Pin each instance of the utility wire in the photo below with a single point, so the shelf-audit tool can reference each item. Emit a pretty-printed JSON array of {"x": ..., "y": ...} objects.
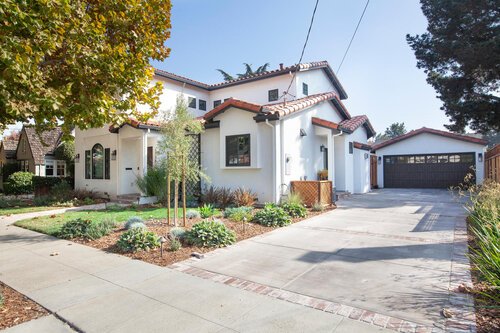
[
  {"x": 303, "y": 49},
  {"x": 352, "y": 38}
]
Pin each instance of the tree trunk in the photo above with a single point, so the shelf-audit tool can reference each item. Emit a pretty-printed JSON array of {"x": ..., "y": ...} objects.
[
  {"x": 176, "y": 201},
  {"x": 183, "y": 191}
]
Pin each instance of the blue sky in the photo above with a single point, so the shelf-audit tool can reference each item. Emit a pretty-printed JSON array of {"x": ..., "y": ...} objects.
[{"x": 379, "y": 73}]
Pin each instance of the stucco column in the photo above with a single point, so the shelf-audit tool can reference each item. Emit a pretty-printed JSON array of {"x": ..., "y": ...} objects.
[
  {"x": 144, "y": 145},
  {"x": 331, "y": 162}
]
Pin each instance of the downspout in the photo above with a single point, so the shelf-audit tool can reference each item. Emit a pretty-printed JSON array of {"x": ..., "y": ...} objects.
[{"x": 273, "y": 157}]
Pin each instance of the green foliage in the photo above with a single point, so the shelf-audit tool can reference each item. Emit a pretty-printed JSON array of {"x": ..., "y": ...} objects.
[
  {"x": 19, "y": 183},
  {"x": 239, "y": 214},
  {"x": 1, "y": 299},
  {"x": 210, "y": 234},
  {"x": 248, "y": 72},
  {"x": 175, "y": 245},
  {"x": 244, "y": 197},
  {"x": 61, "y": 192},
  {"x": 294, "y": 209},
  {"x": 86, "y": 229},
  {"x": 133, "y": 220},
  {"x": 8, "y": 169},
  {"x": 294, "y": 198},
  {"x": 193, "y": 214},
  {"x": 178, "y": 233},
  {"x": 7, "y": 203},
  {"x": 460, "y": 55},
  {"x": 211, "y": 195},
  {"x": 43, "y": 200},
  {"x": 115, "y": 207},
  {"x": 317, "y": 207},
  {"x": 138, "y": 239},
  {"x": 394, "y": 130},
  {"x": 207, "y": 210},
  {"x": 154, "y": 182},
  {"x": 272, "y": 216},
  {"x": 85, "y": 63},
  {"x": 65, "y": 151},
  {"x": 226, "y": 197}
]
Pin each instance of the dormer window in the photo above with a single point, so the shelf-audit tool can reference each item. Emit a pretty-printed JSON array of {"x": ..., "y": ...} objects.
[
  {"x": 192, "y": 102},
  {"x": 272, "y": 95},
  {"x": 305, "y": 89}
]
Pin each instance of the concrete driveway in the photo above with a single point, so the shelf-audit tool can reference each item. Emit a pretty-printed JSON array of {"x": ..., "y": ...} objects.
[{"x": 389, "y": 251}]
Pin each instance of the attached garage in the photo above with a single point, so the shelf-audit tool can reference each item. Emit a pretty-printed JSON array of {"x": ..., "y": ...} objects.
[{"x": 429, "y": 158}]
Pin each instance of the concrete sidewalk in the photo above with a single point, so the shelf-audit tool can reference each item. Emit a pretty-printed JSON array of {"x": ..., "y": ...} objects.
[{"x": 94, "y": 291}]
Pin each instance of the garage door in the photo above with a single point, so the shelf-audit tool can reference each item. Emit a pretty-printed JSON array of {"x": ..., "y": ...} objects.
[{"x": 427, "y": 171}]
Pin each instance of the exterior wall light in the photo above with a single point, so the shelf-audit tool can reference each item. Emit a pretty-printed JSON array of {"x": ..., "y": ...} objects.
[
  {"x": 77, "y": 158},
  {"x": 379, "y": 159},
  {"x": 366, "y": 156},
  {"x": 113, "y": 155},
  {"x": 303, "y": 132},
  {"x": 322, "y": 148},
  {"x": 480, "y": 157}
]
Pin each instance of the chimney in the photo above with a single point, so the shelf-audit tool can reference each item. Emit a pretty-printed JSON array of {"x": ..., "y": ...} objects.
[{"x": 281, "y": 67}]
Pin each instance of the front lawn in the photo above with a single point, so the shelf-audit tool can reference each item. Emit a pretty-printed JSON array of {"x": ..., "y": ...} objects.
[
  {"x": 25, "y": 209},
  {"x": 51, "y": 225}
]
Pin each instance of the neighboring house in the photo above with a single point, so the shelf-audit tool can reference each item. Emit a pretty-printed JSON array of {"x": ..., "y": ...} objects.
[
  {"x": 255, "y": 136},
  {"x": 7, "y": 154},
  {"x": 35, "y": 152},
  {"x": 429, "y": 158}
]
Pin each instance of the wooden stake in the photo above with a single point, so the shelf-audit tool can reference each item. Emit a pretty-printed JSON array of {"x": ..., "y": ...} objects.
[
  {"x": 176, "y": 201},
  {"x": 168, "y": 195},
  {"x": 183, "y": 191}
]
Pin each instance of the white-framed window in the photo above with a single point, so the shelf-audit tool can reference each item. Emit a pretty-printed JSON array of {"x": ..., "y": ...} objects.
[
  {"x": 61, "y": 169},
  {"x": 49, "y": 168}
]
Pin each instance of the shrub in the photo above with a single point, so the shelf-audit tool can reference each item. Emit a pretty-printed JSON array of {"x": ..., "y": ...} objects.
[
  {"x": 175, "y": 245},
  {"x": 154, "y": 182},
  {"x": 132, "y": 220},
  {"x": 211, "y": 196},
  {"x": 210, "y": 234},
  {"x": 88, "y": 201},
  {"x": 272, "y": 216},
  {"x": 115, "y": 207},
  {"x": 137, "y": 225},
  {"x": 207, "y": 210},
  {"x": 136, "y": 239},
  {"x": 294, "y": 198},
  {"x": 43, "y": 200},
  {"x": 61, "y": 192},
  {"x": 294, "y": 209},
  {"x": 238, "y": 214},
  {"x": 87, "y": 229},
  {"x": 193, "y": 214},
  {"x": 19, "y": 183},
  {"x": 243, "y": 197},
  {"x": 178, "y": 233},
  {"x": 82, "y": 194},
  {"x": 317, "y": 207},
  {"x": 8, "y": 169},
  {"x": 226, "y": 197}
]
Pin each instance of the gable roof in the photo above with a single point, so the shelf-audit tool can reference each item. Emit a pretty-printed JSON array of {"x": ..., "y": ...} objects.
[
  {"x": 355, "y": 122},
  {"x": 133, "y": 122},
  {"x": 41, "y": 144},
  {"x": 325, "y": 123},
  {"x": 9, "y": 146},
  {"x": 276, "y": 72},
  {"x": 413, "y": 133}
]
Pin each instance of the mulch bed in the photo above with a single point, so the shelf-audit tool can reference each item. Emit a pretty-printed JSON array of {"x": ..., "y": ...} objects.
[
  {"x": 17, "y": 308},
  {"x": 243, "y": 231},
  {"x": 487, "y": 311}
]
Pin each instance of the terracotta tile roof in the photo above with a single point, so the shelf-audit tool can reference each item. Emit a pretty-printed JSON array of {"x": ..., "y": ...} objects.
[
  {"x": 283, "y": 109},
  {"x": 324, "y": 123},
  {"x": 150, "y": 123},
  {"x": 44, "y": 143},
  {"x": 232, "y": 102},
  {"x": 357, "y": 121},
  {"x": 361, "y": 145},
  {"x": 282, "y": 70},
  {"x": 430, "y": 131}
]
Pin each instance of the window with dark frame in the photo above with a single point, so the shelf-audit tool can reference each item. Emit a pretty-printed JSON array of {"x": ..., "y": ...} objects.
[
  {"x": 351, "y": 148},
  {"x": 202, "y": 105},
  {"x": 192, "y": 102},
  {"x": 88, "y": 164},
  {"x": 272, "y": 95},
  {"x": 238, "y": 150},
  {"x": 217, "y": 103},
  {"x": 305, "y": 89},
  {"x": 61, "y": 168}
]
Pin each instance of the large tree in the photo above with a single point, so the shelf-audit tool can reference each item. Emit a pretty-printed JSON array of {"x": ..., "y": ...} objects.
[
  {"x": 81, "y": 62},
  {"x": 249, "y": 71},
  {"x": 394, "y": 130},
  {"x": 460, "y": 52}
]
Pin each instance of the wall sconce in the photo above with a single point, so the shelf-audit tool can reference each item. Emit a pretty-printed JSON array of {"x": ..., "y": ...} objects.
[
  {"x": 480, "y": 157},
  {"x": 366, "y": 156},
  {"x": 379, "y": 159},
  {"x": 113, "y": 155},
  {"x": 322, "y": 148},
  {"x": 77, "y": 158},
  {"x": 303, "y": 132}
]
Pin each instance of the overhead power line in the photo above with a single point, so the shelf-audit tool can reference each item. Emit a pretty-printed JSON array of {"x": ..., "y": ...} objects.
[
  {"x": 353, "y": 35},
  {"x": 303, "y": 48}
]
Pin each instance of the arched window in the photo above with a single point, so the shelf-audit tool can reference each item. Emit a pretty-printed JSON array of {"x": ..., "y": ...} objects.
[{"x": 97, "y": 161}]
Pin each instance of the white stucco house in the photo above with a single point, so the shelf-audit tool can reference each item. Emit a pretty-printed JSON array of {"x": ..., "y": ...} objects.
[
  {"x": 429, "y": 158},
  {"x": 256, "y": 137}
]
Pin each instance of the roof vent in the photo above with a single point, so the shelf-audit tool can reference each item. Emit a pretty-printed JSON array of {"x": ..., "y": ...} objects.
[{"x": 281, "y": 66}]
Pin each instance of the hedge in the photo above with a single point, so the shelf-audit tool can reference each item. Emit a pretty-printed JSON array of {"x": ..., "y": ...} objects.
[{"x": 43, "y": 185}]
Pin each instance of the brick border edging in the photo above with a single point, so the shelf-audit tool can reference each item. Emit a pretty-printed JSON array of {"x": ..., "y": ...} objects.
[
  {"x": 361, "y": 315},
  {"x": 461, "y": 305}
]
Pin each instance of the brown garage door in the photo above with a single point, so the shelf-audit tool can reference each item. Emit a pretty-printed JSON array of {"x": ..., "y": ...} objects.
[{"x": 427, "y": 171}]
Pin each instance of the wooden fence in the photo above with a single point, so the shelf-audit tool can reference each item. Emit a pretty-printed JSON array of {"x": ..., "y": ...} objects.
[
  {"x": 313, "y": 191},
  {"x": 492, "y": 163}
]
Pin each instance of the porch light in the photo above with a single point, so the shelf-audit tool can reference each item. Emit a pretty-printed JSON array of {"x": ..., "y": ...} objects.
[
  {"x": 113, "y": 155},
  {"x": 379, "y": 159},
  {"x": 303, "y": 132},
  {"x": 366, "y": 156},
  {"x": 322, "y": 148},
  {"x": 161, "y": 240},
  {"x": 480, "y": 157},
  {"x": 77, "y": 158}
]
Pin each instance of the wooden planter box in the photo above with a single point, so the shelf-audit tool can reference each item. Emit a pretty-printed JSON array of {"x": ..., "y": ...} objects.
[{"x": 313, "y": 191}]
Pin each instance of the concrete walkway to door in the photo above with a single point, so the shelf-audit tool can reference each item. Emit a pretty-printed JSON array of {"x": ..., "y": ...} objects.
[{"x": 394, "y": 253}]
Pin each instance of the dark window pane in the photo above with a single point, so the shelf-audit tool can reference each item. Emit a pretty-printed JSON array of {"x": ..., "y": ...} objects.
[
  {"x": 217, "y": 103},
  {"x": 238, "y": 150},
  {"x": 305, "y": 89},
  {"x": 49, "y": 169},
  {"x": 202, "y": 105},
  {"x": 419, "y": 159},
  {"x": 431, "y": 159},
  {"x": 443, "y": 159},
  {"x": 97, "y": 162},
  {"x": 273, "y": 95},
  {"x": 192, "y": 102},
  {"x": 466, "y": 158},
  {"x": 107, "y": 167},
  {"x": 88, "y": 164},
  {"x": 351, "y": 148},
  {"x": 61, "y": 168}
]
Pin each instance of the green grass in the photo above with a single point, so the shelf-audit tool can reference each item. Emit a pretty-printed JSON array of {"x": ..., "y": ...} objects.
[
  {"x": 25, "y": 209},
  {"x": 52, "y": 225}
]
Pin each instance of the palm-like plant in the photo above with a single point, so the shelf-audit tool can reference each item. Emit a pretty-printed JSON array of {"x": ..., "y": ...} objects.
[{"x": 248, "y": 72}]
